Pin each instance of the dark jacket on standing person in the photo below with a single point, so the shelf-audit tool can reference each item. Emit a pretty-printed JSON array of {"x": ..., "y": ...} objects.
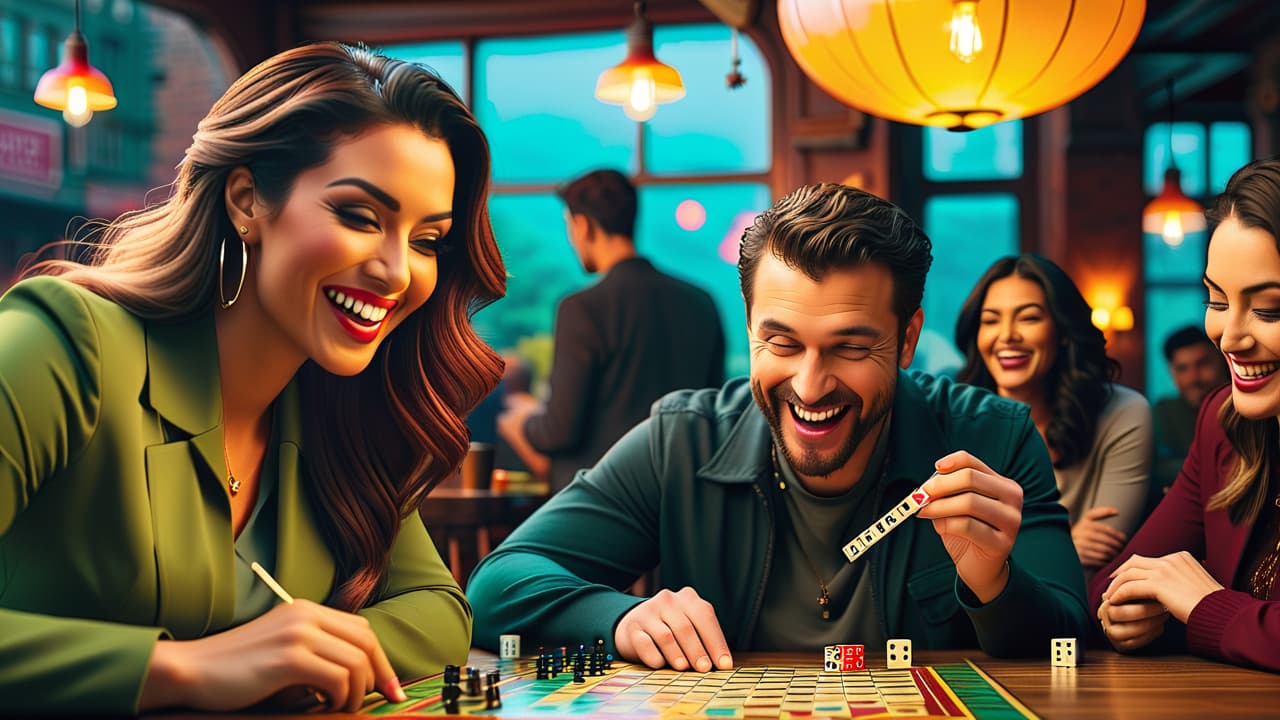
[{"x": 619, "y": 346}]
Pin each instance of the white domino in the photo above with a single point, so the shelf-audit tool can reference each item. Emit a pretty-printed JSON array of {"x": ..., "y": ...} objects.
[
  {"x": 909, "y": 506},
  {"x": 1064, "y": 652},
  {"x": 898, "y": 654}
]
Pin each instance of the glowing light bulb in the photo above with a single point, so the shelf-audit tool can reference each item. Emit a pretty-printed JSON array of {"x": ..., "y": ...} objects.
[
  {"x": 1172, "y": 229},
  {"x": 77, "y": 113},
  {"x": 966, "y": 36},
  {"x": 642, "y": 102}
]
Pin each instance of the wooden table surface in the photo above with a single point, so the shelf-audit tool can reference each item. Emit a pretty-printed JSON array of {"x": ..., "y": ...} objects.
[{"x": 1107, "y": 685}]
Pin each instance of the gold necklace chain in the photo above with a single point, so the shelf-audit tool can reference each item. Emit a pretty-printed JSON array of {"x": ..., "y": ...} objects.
[
  {"x": 824, "y": 598},
  {"x": 1264, "y": 576},
  {"x": 233, "y": 485}
]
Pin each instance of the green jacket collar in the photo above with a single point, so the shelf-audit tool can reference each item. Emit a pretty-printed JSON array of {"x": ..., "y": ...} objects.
[
  {"x": 184, "y": 387},
  {"x": 744, "y": 456}
]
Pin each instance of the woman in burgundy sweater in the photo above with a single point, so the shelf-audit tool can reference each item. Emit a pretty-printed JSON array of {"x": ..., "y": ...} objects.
[{"x": 1208, "y": 555}]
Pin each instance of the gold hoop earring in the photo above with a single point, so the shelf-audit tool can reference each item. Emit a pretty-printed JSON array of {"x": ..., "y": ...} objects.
[{"x": 244, "y": 264}]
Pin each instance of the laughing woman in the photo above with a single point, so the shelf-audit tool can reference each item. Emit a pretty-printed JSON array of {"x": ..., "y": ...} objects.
[
  {"x": 270, "y": 366},
  {"x": 1208, "y": 556},
  {"x": 1027, "y": 333}
]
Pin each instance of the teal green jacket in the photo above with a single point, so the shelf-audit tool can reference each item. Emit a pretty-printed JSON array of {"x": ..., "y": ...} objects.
[
  {"x": 690, "y": 488},
  {"x": 112, "y": 536}
]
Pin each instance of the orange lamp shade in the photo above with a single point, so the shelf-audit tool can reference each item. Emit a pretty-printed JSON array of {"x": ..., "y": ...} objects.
[
  {"x": 1171, "y": 214},
  {"x": 915, "y": 62},
  {"x": 73, "y": 76},
  {"x": 641, "y": 82}
]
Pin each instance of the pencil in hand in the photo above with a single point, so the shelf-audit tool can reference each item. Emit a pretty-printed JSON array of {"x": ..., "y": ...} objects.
[{"x": 280, "y": 592}]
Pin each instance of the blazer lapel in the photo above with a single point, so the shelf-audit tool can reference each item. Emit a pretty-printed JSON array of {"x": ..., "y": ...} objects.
[
  {"x": 190, "y": 512},
  {"x": 303, "y": 563}
]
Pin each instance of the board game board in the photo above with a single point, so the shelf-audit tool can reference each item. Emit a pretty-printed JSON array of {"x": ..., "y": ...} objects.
[{"x": 939, "y": 691}]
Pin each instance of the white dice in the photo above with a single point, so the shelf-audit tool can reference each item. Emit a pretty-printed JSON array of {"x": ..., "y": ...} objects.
[
  {"x": 898, "y": 654},
  {"x": 508, "y": 647},
  {"x": 1064, "y": 652}
]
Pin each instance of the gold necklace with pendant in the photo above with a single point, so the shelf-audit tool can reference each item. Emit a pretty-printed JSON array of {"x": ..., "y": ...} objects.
[
  {"x": 824, "y": 598},
  {"x": 233, "y": 485}
]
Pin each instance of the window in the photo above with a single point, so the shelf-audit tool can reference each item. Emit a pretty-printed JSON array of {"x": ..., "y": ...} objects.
[
  {"x": 964, "y": 188},
  {"x": 39, "y": 54},
  {"x": 10, "y": 51},
  {"x": 447, "y": 58},
  {"x": 542, "y": 134},
  {"x": 1207, "y": 155}
]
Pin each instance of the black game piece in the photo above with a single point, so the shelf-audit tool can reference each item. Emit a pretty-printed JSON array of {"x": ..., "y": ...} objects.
[
  {"x": 543, "y": 666},
  {"x": 473, "y": 682},
  {"x": 451, "y": 674},
  {"x": 450, "y": 694},
  {"x": 579, "y": 666},
  {"x": 577, "y": 674},
  {"x": 492, "y": 699}
]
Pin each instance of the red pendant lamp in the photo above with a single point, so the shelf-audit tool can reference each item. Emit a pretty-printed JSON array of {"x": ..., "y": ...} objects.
[
  {"x": 640, "y": 82},
  {"x": 1172, "y": 214},
  {"x": 75, "y": 87}
]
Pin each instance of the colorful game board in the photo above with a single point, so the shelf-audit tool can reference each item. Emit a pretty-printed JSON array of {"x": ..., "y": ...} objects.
[{"x": 939, "y": 691}]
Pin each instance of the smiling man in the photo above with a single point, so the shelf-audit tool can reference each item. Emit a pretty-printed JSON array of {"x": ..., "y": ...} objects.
[{"x": 746, "y": 494}]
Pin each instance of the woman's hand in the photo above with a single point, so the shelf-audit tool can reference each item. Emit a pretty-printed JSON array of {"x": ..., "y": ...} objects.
[
  {"x": 1132, "y": 625},
  {"x": 1097, "y": 543},
  {"x": 299, "y": 645},
  {"x": 1178, "y": 582}
]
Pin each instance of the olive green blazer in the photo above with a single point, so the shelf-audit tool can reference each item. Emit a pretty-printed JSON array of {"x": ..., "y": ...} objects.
[{"x": 115, "y": 527}]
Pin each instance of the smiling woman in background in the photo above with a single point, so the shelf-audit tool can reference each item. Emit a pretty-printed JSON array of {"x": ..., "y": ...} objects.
[
  {"x": 1027, "y": 334},
  {"x": 270, "y": 366},
  {"x": 1209, "y": 556}
]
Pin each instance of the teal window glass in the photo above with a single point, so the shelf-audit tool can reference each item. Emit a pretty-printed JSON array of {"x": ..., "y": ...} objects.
[
  {"x": 38, "y": 55},
  {"x": 1188, "y": 153},
  {"x": 691, "y": 136},
  {"x": 1230, "y": 148},
  {"x": 991, "y": 153},
  {"x": 448, "y": 58},
  {"x": 535, "y": 100},
  {"x": 969, "y": 233},
  {"x": 10, "y": 49},
  {"x": 541, "y": 269},
  {"x": 705, "y": 254},
  {"x": 1168, "y": 308},
  {"x": 1184, "y": 263}
]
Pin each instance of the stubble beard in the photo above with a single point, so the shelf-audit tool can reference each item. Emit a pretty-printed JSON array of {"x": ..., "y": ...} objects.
[{"x": 809, "y": 462}]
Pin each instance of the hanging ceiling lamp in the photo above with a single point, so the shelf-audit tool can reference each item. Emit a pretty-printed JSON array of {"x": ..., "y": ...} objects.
[
  {"x": 75, "y": 87},
  {"x": 640, "y": 82},
  {"x": 1172, "y": 214},
  {"x": 958, "y": 64}
]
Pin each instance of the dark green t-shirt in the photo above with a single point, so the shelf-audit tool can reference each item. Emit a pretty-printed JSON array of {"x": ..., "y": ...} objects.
[{"x": 790, "y": 617}]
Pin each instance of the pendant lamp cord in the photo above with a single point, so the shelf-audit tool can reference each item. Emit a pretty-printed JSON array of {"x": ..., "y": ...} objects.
[
  {"x": 1173, "y": 165},
  {"x": 77, "y": 15}
]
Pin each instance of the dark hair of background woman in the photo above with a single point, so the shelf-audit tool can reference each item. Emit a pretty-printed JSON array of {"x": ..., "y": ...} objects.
[{"x": 1078, "y": 382}]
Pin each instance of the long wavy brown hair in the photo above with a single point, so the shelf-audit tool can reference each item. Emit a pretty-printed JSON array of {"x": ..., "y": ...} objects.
[
  {"x": 1252, "y": 197},
  {"x": 1079, "y": 383},
  {"x": 376, "y": 442}
]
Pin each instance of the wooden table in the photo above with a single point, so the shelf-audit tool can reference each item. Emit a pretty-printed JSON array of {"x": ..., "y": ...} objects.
[
  {"x": 1107, "y": 685},
  {"x": 466, "y": 523}
]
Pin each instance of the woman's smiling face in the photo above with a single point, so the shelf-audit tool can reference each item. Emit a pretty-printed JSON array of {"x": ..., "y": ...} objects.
[
  {"x": 1242, "y": 316},
  {"x": 351, "y": 252},
  {"x": 1017, "y": 337}
]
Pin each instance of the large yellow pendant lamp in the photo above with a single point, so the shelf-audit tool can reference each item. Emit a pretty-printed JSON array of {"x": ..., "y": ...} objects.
[
  {"x": 958, "y": 64},
  {"x": 1172, "y": 214},
  {"x": 75, "y": 87},
  {"x": 640, "y": 83}
]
